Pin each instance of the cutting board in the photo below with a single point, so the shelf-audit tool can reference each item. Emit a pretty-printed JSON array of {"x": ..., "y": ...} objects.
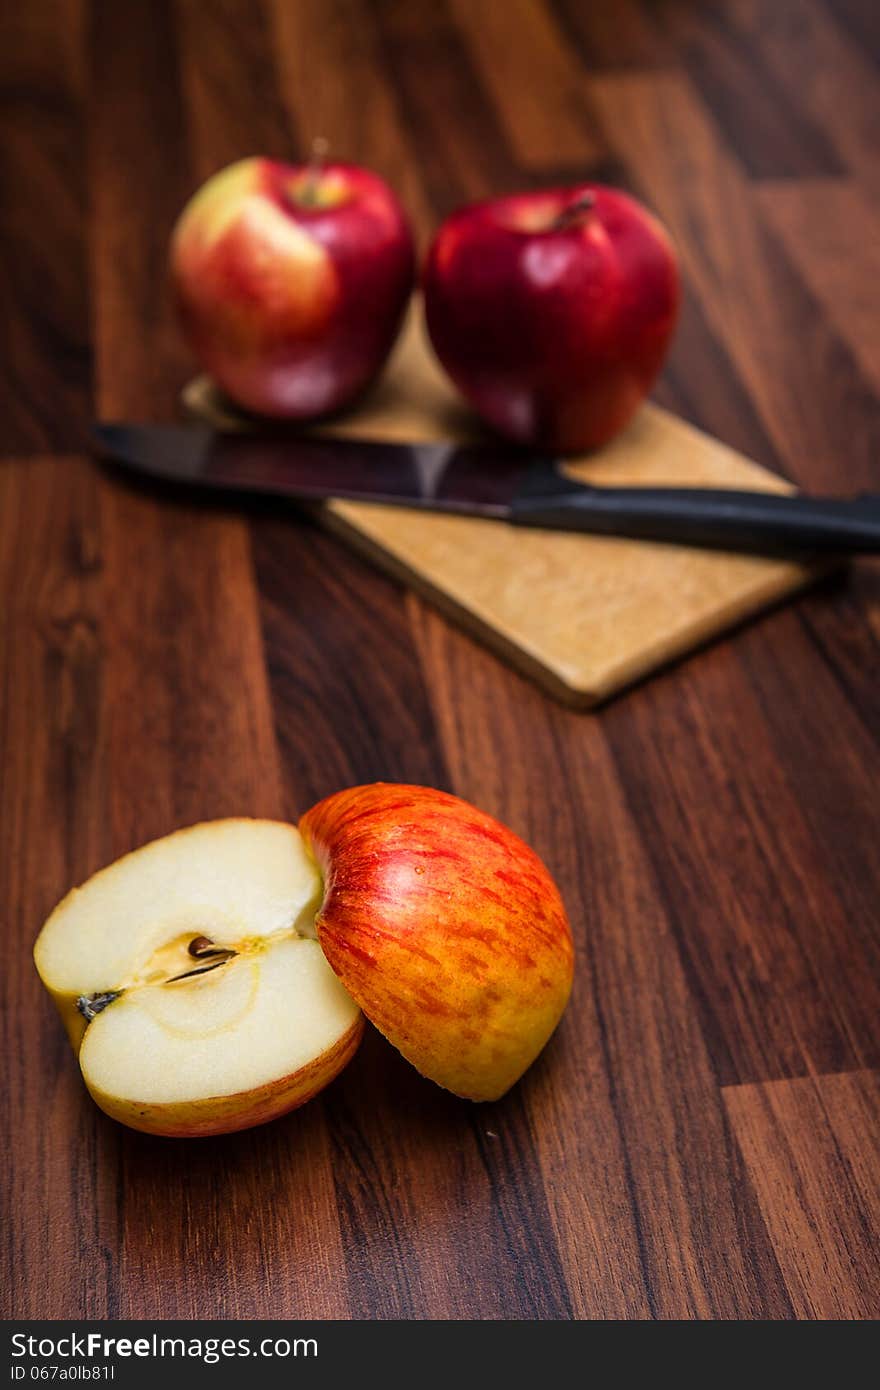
[{"x": 584, "y": 616}]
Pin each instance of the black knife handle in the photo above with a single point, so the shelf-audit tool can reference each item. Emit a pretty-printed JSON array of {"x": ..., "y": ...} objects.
[{"x": 764, "y": 522}]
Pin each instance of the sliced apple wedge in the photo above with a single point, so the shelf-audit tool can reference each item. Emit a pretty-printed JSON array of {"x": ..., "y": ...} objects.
[{"x": 191, "y": 984}]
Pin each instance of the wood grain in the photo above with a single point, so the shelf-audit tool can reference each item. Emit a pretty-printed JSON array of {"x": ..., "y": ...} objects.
[
  {"x": 223, "y": 121},
  {"x": 759, "y": 918},
  {"x": 701, "y": 1137},
  {"x": 609, "y": 35},
  {"x": 520, "y": 55},
  {"x": 810, "y": 1147},
  {"x": 814, "y": 220},
  {"x": 56, "y": 1197},
  {"x": 45, "y": 375},
  {"x": 751, "y": 99},
  {"x": 826, "y": 72}
]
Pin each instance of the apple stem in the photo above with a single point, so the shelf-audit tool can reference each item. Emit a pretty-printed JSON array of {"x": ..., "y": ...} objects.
[
  {"x": 308, "y": 194},
  {"x": 574, "y": 213}
]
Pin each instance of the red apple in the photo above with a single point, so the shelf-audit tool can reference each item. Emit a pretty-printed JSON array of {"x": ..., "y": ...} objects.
[
  {"x": 291, "y": 282},
  {"x": 214, "y": 979},
  {"x": 552, "y": 311},
  {"x": 445, "y": 928}
]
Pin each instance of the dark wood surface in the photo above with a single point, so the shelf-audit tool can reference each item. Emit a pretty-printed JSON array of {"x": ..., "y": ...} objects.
[{"x": 701, "y": 1137}]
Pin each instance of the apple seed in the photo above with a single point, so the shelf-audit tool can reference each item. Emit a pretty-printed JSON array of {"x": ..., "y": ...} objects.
[
  {"x": 202, "y": 946},
  {"x": 222, "y": 956}
]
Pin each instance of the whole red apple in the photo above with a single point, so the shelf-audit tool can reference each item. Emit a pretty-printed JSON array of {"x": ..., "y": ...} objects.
[
  {"x": 291, "y": 281},
  {"x": 552, "y": 311},
  {"x": 445, "y": 928}
]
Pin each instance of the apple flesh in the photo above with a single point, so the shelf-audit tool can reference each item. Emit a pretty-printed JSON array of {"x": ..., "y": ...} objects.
[
  {"x": 191, "y": 985},
  {"x": 291, "y": 282},
  {"x": 552, "y": 311},
  {"x": 445, "y": 927}
]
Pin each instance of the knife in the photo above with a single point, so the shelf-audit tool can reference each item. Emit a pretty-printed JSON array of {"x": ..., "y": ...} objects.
[{"x": 489, "y": 480}]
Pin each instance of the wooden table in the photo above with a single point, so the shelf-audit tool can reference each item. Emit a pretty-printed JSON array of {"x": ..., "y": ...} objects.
[{"x": 701, "y": 1137}]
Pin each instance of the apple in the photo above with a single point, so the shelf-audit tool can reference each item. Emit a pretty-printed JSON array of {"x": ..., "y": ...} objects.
[
  {"x": 214, "y": 979},
  {"x": 191, "y": 985},
  {"x": 445, "y": 927},
  {"x": 291, "y": 281},
  {"x": 552, "y": 311}
]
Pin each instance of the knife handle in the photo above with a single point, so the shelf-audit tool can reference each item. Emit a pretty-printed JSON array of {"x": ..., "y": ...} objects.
[{"x": 764, "y": 522}]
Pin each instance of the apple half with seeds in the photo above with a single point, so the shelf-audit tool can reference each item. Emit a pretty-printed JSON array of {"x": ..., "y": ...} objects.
[
  {"x": 191, "y": 985},
  {"x": 214, "y": 979}
]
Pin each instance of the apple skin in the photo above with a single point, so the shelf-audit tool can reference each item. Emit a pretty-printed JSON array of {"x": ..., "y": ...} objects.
[
  {"x": 553, "y": 322},
  {"x": 216, "y": 1115},
  {"x": 291, "y": 282},
  {"x": 445, "y": 928}
]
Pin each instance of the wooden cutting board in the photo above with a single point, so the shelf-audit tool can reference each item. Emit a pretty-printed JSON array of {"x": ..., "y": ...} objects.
[{"x": 583, "y": 615}]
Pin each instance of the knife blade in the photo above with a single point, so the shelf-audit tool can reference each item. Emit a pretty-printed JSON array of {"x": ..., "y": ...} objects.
[
  {"x": 475, "y": 479},
  {"x": 488, "y": 480}
]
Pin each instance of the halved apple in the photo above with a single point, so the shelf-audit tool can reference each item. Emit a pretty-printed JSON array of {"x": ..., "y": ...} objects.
[
  {"x": 191, "y": 984},
  {"x": 445, "y": 927},
  {"x": 214, "y": 979}
]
